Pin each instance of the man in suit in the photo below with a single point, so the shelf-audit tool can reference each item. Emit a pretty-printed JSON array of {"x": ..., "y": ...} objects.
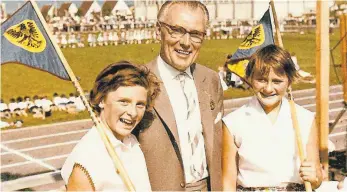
[{"x": 183, "y": 145}]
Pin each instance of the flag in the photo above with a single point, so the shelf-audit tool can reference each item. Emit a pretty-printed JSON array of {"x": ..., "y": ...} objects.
[
  {"x": 260, "y": 36},
  {"x": 239, "y": 67},
  {"x": 24, "y": 40}
]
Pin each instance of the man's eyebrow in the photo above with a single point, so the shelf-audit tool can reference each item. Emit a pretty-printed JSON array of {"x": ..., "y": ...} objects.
[{"x": 194, "y": 30}]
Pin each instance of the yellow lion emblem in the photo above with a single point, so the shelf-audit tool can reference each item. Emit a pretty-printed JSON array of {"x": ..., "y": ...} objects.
[
  {"x": 255, "y": 38},
  {"x": 26, "y": 35}
]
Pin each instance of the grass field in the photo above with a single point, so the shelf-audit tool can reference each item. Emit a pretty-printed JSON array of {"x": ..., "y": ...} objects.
[{"x": 19, "y": 80}]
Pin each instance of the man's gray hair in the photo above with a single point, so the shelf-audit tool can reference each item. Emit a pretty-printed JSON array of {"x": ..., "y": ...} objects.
[{"x": 191, "y": 4}]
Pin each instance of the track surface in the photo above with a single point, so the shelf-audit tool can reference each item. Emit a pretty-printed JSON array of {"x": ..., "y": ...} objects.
[{"x": 41, "y": 149}]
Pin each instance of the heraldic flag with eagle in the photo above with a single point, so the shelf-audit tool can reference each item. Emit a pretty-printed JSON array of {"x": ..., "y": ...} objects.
[
  {"x": 25, "y": 41},
  {"x": 260, "y": 36}
]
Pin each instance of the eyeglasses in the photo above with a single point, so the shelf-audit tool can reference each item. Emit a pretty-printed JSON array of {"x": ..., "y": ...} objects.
[{"x": 178, "y": 32}]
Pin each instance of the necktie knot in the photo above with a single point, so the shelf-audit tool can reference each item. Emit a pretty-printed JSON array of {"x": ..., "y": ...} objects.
[{"x": 182, "y": 77}]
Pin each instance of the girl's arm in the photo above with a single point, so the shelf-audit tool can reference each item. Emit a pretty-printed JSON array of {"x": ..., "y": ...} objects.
[
  {"x": 310, "y": 169},
  {"x": 229, "y": 168},
  {"x": 80, "y": 180}
]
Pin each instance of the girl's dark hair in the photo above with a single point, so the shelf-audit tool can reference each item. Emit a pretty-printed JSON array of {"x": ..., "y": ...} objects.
[
  {"x": 125, "y": 74},
  {"x": 272, "y": 57}
]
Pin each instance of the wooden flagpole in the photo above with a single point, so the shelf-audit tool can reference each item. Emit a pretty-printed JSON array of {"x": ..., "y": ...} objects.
[
  {"x": 322, "y": 86},
  {"x": 343, "y": 31},
  {"x": 98, "y": 123},
  {"x": 295, "y": 122},
  {"x": 278, "y": 32}
]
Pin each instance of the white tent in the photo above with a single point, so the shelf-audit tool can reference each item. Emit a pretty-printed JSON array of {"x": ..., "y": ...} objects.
[{"x": 122, "y": 8}]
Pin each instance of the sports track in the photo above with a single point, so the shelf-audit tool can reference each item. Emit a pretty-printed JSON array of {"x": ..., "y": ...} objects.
[{"x": 35, "y": 155}]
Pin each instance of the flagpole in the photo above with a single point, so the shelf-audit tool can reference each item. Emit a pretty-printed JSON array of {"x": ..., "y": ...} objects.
[
  {"x": 322, "y": 86},
  {"x": 295, "y": 122},
  {"x": 343, "y": 31},
  {"x": 278, "y": 32},
  {"x": 99, "y": 125}
]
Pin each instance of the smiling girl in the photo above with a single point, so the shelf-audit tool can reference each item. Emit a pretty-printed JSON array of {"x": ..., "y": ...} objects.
[
  {"x": 122, "y": 96},
  {"x": 259, "y": 150}
]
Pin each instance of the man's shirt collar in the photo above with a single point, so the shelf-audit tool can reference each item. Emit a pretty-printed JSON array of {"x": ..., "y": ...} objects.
[{"x": 168, "y": 72}]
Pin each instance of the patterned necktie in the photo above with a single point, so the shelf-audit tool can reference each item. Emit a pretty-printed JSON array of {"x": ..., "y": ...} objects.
[
  {"x": 195, "y": 137},
  {"x": 187, "y": 94}
]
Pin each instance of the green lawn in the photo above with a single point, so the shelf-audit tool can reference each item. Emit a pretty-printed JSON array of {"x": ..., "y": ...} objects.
[{"x": 18, "y": 80}]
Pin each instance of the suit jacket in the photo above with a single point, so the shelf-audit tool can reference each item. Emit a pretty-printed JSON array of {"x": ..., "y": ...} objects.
[{"x": 162, "y": 154}]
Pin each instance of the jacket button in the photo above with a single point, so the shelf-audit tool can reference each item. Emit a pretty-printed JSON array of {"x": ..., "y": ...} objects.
[{"x": 183, "y": 185}]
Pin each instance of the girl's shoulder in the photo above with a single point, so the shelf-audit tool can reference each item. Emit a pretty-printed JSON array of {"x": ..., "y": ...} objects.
[
  {"x": 89, "y": 150},
  {"x": 90, "y": 141},
  {"x": 241, "y": 113},
  {"x": 237, "y": 113},
  {"x": 303, "y": 111},
  {"x": 237, "y": 119}
]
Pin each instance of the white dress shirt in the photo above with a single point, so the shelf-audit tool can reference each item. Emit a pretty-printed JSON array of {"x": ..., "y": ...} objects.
[
  {"x": 92, "y": 154},
  {"x": 178, "y": 102},
  {"x": 267, "y": 152}
]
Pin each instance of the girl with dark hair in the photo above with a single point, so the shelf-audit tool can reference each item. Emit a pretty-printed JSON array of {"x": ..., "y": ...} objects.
[{"x": 122, "y": 97}]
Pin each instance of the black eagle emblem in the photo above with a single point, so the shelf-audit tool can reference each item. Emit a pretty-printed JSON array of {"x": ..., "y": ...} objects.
[
  {"x": 253, "y": 38},
  {"x": 25, "y": 34}
]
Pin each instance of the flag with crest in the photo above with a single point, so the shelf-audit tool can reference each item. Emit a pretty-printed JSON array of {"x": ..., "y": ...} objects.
[
  {"x": 24, "y": 40},
  {"x": 260, "y": 36}
]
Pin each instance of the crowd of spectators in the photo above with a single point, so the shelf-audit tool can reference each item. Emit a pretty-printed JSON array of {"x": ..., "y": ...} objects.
[
  {"x": 104, "y": 38},
  {"x": 38, "y": 107},
  {"x": 77, "y": 31}
]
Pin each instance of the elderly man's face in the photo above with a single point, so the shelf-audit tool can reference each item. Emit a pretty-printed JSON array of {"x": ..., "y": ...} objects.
[{"x": 181, "y": 51}]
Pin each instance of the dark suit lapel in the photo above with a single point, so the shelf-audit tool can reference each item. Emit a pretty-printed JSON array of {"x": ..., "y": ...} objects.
[
  {"x": 162, "y": 103},
  {"x": 205, "y": 111}
]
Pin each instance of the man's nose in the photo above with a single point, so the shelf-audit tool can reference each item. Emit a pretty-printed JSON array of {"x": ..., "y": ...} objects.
[{"x": 185, "y": 40}]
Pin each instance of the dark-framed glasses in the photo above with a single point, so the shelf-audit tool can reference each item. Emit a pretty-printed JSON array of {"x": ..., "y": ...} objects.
[{"x": 178, "y": 32}]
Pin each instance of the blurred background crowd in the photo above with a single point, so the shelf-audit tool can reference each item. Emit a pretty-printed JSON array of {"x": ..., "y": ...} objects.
[{"x": 98, "y": 23}]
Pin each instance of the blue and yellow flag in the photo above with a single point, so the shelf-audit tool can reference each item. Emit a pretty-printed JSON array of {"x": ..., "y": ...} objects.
[
  {"x": 25, "y": 41},
  {"x": 260, "y": 36}
]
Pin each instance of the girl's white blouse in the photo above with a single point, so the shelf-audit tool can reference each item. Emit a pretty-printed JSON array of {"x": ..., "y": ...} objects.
[
  {"x": 91, "y": 153},
  {"x": 267, "y": 153}
]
